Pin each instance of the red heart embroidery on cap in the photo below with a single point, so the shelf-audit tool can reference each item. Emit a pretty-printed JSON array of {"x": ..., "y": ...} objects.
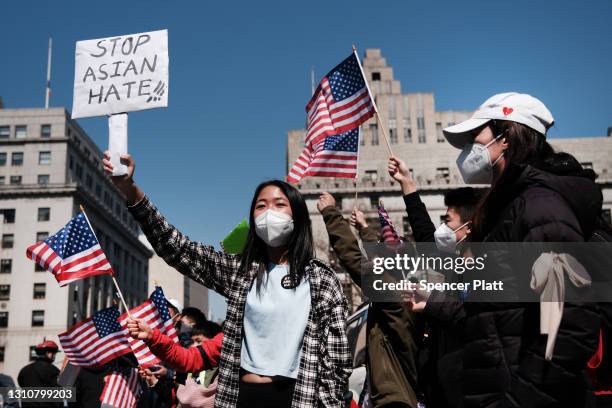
[{"x": 507, "y": 111}]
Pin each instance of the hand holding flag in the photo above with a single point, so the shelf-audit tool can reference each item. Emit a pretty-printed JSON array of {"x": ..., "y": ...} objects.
[{"x": 139, "y": 329}]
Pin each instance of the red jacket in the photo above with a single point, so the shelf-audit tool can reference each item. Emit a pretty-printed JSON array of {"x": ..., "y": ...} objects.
[{"x": 186, "y": 360}]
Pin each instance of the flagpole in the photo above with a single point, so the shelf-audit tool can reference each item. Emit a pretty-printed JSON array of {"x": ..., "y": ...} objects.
[
  {"x": 380, "y": 123},
  {"x": 357, "y": 166},
  {"x": 127, "y": 309}
]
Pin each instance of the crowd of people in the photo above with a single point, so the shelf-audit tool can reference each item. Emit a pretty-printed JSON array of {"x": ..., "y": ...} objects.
[
  {"x": 284, "y": 341},
  {"x": 187, "y": 373}
]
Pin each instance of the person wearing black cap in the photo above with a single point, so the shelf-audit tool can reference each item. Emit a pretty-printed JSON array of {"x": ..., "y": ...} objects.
[{"x": 41, "y": 372}]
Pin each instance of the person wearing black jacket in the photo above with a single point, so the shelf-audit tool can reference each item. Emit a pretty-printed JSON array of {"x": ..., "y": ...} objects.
[
  {"x": 537, "y": 195},
  {"x": 440, "y": 373},
  {"x": 41, "y": 372}
]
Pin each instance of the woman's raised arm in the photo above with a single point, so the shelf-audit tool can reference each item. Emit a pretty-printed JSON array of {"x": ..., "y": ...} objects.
[{"x": 214, "y": 269}]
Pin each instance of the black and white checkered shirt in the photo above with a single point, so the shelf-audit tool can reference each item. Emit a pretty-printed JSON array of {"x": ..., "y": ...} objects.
[{"x": 325, "y": 363}]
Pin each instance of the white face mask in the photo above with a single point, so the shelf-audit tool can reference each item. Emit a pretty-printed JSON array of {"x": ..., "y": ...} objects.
[
  {"x": 274, "y": 227},
  {"x": 446, "y": 239},
  {"x": 475, "y": 164}
]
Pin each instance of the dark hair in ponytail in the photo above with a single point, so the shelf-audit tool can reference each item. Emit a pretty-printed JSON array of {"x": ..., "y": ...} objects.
[
  {"x": 525, "y": 146},
  {"x": 300, "y": 245}
]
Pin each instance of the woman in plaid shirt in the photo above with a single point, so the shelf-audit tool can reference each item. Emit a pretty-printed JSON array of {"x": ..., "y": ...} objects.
[{"x": 293, "y": 323}]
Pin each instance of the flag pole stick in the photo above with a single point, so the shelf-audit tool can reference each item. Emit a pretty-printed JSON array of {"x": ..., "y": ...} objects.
[
  {"x": 127, "y": 309},
  {"x": 380, "y": 123},
  {"x": 357, "y": 166}
]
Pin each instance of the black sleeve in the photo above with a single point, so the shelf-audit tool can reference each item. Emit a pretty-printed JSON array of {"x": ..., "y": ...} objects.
[
  {"x": 422, "y": 227},
  {"x": 446, "y": 310}
]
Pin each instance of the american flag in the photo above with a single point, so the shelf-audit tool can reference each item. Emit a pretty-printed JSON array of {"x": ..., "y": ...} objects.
[
  {"x": 71, "y": 254},
  {"x": 389, "y": 235},
  {"x": 341, "y": 103},
  {"x": 154, "y": 311},
  {"x": 95, "y": 341},
  {"x": 121, "y": 389},
  {"x": 336, "y": 156}
]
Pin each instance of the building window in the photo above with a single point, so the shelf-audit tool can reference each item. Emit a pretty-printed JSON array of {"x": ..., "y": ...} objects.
[
  {"x": 420, "y": 123},
  {"x": 39, "y": 268},
  {"x": 79, "y": 171},
  {"x": 439, "y": 133},
  {"x": 98, "y": 190},
  {"x": 607, "y": 214},
  {"x": 15, "y": 180},
  {"x": 3, "y": 159},
  {"x": 33, "y": 354},
  {"x": 70, "y": 162},
  {"x": 375, "y": 76},
  {"x": 44, "y": 214},
  {"x": 393, "y": 131},
  {"x": 392, "y": 110},
  {"x": 88, "y": 180},
  {"x": 443, "y": 172},
  {"x": 17, "y": 159},
  {"x": 407, "y": 135},
  {"x": 38, "y": 318},
  {"x": 43, "y": 179},
  {"x": 44, "y": 158},
  {"x": 1, "y": 354},
  {"x": 45, "y": 131},
  {"x": 393, "y": 135},
  {"x": 4, "y": 319},
  {"x": 6, "y": 265},
  {"x": 371, "y": 175},
  {"x": 21, "y": 132},
  {"x": 5, "y": 292},
  {"x": 374, "y": 134},
  {"x": 5, "y": 132},
  {"x": 40, "y": 290},
  {"x": 374, "y": 200},
  {"x": 421, "y": 129},
  {"x": 9, "y": 215},
  {"x": 41, "y": 236},
  {"x": 8, "y": 240},
  {"x": 2, "y": 180}
]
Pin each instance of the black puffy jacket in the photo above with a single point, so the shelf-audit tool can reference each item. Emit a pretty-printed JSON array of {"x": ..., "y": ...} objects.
[{"x": 503, "y": 361}]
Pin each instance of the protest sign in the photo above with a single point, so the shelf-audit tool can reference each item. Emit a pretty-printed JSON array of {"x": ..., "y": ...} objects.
[
  {"x": 116, "y": 75},
  {"x": 121, "y": 74}
]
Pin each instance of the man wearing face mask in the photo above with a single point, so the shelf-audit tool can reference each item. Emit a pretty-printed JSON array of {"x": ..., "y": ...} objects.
[{"x": 442, "y": 311}]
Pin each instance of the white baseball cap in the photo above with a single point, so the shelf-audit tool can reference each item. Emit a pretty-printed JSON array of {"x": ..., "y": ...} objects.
[
  {"x": 512, "y": 106},
  {"x": 176, "y": 304}
]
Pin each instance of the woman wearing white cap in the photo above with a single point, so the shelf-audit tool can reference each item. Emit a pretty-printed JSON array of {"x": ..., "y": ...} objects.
[{"x": 536, "y": 195}]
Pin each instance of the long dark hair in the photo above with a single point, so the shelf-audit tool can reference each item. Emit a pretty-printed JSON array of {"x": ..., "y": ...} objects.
[
  {"x": 525, "y": 146},
  {"x": 300, "y": 245}
]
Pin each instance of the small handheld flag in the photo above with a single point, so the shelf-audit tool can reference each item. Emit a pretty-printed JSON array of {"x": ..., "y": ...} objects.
[
  {"x": 96, "y": 340},
  {"x": 339, "y": 105},
  {"x": 71, "y": 254},
  {"x": 154, "y": 311},
  {"x": 389, "y": 234},
  {"x": 122, "y": 389}
]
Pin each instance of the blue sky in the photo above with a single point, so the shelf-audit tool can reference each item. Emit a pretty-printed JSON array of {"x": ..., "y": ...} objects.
[{"x": 239, "y": 77}]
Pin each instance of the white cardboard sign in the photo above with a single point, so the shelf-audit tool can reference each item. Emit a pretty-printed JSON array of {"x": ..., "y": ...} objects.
[{"x": 121, "y": 74}]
